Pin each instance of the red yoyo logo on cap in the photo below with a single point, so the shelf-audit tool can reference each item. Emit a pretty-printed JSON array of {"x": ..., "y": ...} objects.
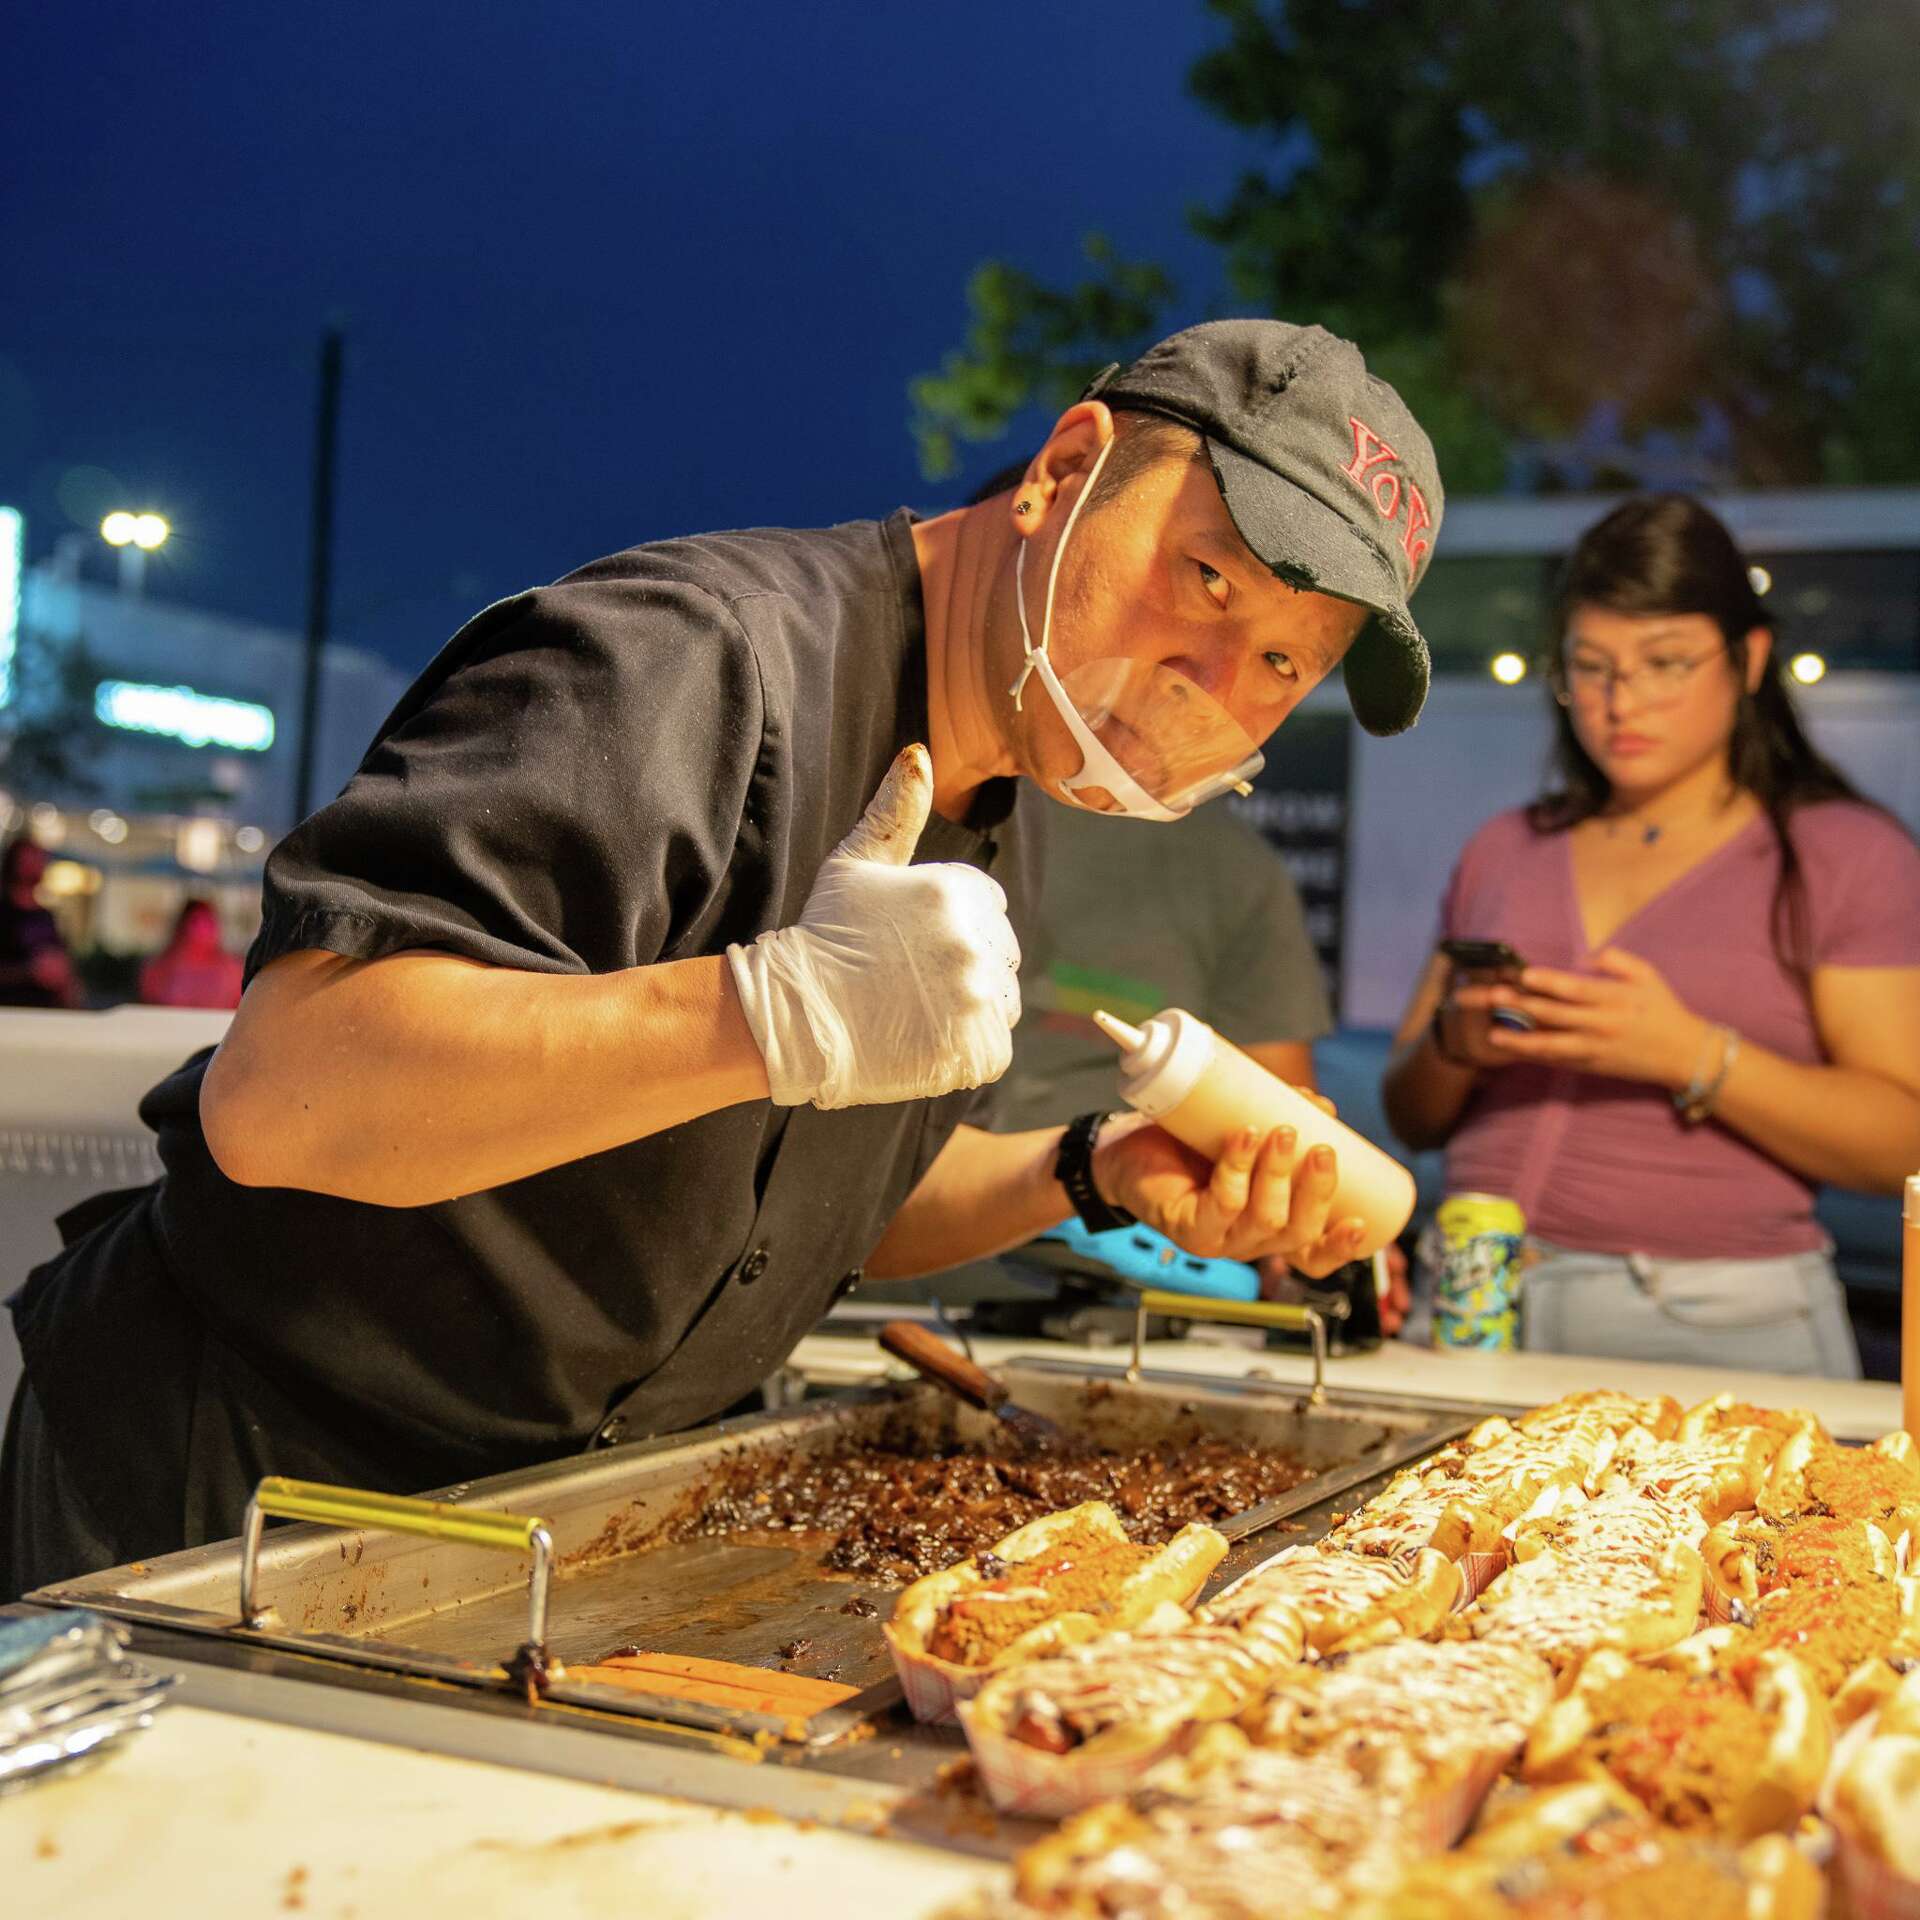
[{"x": 1379, "y": 473}]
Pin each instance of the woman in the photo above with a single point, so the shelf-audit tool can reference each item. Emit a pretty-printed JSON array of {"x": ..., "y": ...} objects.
[
  {"x": 1723, "y": 980},
  {"x": 193, "y": 969}
]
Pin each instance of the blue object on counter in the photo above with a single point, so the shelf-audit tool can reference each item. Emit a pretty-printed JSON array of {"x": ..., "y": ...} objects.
[
  {"x": 1144, "y": 1258},
  {"x": 68, "y": 1692},
  {"x": 29, "y": 1636}
]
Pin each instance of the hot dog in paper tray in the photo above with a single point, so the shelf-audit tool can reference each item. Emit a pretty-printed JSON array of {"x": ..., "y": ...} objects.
[
  {"x": 1826, "y": 1515},
  {"x": 1873, "y": 1800},
  {"x": 1726, "y": 1749},
  {"x": 1056, "y": 1735},
  {"x": 1056, "y": 1581}
]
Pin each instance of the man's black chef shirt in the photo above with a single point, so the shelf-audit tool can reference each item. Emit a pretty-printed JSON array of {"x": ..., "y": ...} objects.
[{"x": 644, "y": 762}]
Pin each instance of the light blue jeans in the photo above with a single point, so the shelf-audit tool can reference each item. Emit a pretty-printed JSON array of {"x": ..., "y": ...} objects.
[{"x": 1784, "y": 1314}]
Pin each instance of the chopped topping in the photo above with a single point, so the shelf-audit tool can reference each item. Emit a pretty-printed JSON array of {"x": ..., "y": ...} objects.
[
  {"x": 1083, "y": 1576},
  {"x": 1829, "y": 1630},
  {"x": 1685, "y": 1748}
]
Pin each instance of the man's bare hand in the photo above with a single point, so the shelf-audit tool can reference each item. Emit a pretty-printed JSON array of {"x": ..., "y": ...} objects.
[{"x": 1261, "y": 1198}]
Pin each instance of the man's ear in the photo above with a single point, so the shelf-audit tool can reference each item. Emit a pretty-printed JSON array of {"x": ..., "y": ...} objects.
[
  {"x": 1759, "y": 645},
  {"x": 1061, "y": 466}
]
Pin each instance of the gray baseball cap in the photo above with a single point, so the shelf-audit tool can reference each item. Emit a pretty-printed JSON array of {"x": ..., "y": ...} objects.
[{"x": 1328, "y": 477}]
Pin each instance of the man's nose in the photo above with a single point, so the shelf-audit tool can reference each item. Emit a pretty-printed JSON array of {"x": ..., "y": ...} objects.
[{"x": 1215, "y": 675}]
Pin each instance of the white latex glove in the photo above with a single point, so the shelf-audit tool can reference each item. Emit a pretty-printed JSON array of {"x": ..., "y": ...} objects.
[{"x": 899, "y": 982}]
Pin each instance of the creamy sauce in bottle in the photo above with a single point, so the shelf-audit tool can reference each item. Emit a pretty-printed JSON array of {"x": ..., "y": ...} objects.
[{"x": 1176, "y": 1070}]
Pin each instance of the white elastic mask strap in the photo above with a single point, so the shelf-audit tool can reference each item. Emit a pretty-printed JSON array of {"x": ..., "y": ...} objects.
[{"x": 1098, "y": 768}]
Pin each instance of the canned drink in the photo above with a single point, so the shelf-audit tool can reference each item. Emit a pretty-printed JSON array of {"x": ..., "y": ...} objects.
[{"x": 1476, "y": 1297}]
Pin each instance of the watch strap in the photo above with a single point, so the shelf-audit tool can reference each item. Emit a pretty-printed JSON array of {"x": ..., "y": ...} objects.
[{"x": 1073, "y": 1168}]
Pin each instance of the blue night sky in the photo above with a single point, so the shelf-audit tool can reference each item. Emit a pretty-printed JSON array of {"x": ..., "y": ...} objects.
[{"x": 608, "y": 272}]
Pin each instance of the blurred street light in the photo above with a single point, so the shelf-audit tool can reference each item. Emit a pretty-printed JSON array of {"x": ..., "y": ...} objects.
[
  {"x": 198, "y": 844},
  {"x": 136, "y": 535},
  {"x": 1508, "y": 668},
  {"x": 1808, "y": 668}
]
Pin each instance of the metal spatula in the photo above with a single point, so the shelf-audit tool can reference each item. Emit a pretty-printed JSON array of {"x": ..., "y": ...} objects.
[{"x": 930, "y": 1356}]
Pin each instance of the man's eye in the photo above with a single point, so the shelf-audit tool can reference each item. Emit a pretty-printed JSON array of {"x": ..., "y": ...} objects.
[
  {"x": 1215, "y": 583},
  {"x": 1283, "y": 666}
]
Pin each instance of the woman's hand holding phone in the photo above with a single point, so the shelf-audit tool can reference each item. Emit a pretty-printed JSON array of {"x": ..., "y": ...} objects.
[
  {"x": 1485, "y": 972},
  {"x": 1622, "y": 1020}
]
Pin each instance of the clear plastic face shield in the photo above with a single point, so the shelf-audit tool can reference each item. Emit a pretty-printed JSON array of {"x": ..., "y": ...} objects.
[{"x": 1153, "y": 740}]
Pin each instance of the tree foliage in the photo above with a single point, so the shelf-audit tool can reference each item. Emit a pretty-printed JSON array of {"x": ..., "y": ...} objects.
[
  {"x": 49, "y": 737},
  {"x": 1590, "y": 240}
]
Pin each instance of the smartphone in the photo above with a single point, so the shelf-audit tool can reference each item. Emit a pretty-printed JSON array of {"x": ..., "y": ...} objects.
[
  {"x": 1497, "y": 958},
  {"x": 1482, "y": 956}
]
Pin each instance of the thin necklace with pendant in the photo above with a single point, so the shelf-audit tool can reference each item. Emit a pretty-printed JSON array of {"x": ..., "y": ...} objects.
[{"x": 1651, "y": 830}]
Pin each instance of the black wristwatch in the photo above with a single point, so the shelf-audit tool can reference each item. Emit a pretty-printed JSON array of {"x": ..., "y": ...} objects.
[{"x": 1074, "y": 1170}]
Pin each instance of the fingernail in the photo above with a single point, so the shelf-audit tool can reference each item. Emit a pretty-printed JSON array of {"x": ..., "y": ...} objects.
[
  {"x": 1322, "y": 1159},
  {"x": 1288, "y": 1137}
]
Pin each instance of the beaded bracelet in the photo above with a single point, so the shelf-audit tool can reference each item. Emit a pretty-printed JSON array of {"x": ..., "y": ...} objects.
[{"x": 1696, "y": 1100}]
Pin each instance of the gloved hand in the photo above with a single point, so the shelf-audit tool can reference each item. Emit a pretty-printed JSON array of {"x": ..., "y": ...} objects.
[{"x": 899, "y": 982}]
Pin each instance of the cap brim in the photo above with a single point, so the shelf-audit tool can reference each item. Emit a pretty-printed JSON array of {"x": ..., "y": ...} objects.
[{"x": 1310, "y": 546}]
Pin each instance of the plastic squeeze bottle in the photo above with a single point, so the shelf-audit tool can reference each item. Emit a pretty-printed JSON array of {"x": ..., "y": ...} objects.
[{"x": 1204, "y": 1090}]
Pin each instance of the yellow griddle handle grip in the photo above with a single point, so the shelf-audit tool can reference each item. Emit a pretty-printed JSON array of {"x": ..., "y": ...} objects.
[
  {"x": 282, "y": 1499},
  {"x": 1286, "y": 1314},
  {"x": 1241, "y": 1313}
]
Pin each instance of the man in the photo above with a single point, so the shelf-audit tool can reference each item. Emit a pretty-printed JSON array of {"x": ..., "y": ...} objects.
[{"x": 601, "y": 1026}]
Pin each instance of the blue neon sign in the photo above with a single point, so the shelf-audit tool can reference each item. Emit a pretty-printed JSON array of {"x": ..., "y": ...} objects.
[{"x": 179, "y": 713}]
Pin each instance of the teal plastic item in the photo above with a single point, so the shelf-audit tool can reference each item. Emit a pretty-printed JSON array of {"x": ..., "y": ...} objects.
[{"x": 1144, "y": 1258}]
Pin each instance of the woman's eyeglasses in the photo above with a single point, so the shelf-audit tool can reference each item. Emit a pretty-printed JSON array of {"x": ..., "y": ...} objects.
[{"x": 1588, "y": 677}]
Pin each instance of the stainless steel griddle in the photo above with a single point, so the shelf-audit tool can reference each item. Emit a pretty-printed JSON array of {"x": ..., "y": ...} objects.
[{"x": 441, "y": 1605}]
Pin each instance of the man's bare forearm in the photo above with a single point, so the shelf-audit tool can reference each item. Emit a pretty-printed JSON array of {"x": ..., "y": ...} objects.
[
  {"x": 419, "y": 1077},
  {"x": 985, "y": 1193}
]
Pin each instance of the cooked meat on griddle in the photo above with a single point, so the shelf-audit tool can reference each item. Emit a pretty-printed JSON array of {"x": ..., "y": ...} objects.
[{"x": 899, "y": 1513}]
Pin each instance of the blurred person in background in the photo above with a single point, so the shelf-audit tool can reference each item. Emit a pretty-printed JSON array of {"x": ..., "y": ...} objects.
[
  {"x": 35, "y": 967},
  {"x": 193, "y": 969},
  {"x": 1202, "y": 914},
  {"x": 1718, "y": 1008}
]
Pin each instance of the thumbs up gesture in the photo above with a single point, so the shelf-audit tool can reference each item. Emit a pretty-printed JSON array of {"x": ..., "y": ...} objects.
[{"x": 898, "y": 982}]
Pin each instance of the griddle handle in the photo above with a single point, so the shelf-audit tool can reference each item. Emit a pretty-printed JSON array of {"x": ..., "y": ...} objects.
[
  {"x": 926, "y": 1353},
  {"x": 1242, "y": 1313},
  {"x": 441, "y": 1520}
]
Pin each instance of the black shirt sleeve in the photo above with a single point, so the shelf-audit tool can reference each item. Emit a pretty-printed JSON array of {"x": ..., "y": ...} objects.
[{"x": 561, "y": 791}]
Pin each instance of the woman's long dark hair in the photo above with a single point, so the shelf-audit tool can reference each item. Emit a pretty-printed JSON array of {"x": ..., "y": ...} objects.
[{"x": 1665, "y": 553}]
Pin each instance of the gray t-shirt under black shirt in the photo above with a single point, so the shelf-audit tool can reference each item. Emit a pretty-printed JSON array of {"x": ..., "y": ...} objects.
[
  {"x": 1135, "y": 917},
  {"x": 646, "y": 761}
]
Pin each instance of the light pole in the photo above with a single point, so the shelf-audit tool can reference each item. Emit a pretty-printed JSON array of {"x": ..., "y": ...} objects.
[{"x": 136, "y": 535}]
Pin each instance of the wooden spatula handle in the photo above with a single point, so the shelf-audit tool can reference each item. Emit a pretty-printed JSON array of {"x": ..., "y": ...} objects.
[{"x": 925, "y": 1352}]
